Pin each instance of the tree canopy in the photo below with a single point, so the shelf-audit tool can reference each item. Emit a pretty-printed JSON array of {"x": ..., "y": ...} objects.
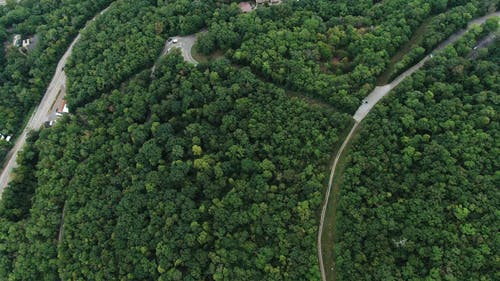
[{"x": 420, "y": 190}]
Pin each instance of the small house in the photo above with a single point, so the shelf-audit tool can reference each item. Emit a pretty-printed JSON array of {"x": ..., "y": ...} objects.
[
  {"x": 245, "y": 7},
  {"x": 62, "y": 108}
]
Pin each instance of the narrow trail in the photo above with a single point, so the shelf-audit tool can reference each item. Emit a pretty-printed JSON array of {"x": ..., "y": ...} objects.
[
  {"x": 368, "y": 103},
  {"x": 327, "y": 195}
]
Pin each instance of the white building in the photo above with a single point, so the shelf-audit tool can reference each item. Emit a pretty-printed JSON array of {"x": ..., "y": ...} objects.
[{"x": 26, "y": 43}]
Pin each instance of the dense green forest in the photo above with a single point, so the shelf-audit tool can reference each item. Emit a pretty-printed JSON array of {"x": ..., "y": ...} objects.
[
  {"x": 199, "y": 174},
  {"x": 125, "y": 40},
  {"x": 333, "y": 50},
  {"x": 218, "y": 171},
  {"x": 419, "y": 199}
]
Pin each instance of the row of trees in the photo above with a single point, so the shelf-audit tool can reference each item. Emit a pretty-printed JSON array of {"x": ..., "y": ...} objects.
[{"x": 420, "y": 190}]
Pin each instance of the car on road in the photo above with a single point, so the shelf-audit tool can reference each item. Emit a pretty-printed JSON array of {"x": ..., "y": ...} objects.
[{"x": 172, "y": 40}]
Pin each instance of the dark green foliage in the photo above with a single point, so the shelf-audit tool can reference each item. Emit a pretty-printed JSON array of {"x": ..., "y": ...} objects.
[
  {"x": 15, "y": 205},
  {"x": 211, "y": 173},
  {"x": 119, "y": 43},
  {"x": 204, "y": 174},
  {"x": 335, "y": 56},
  {"x": 125, "y": 40},
  {"x": 420, "y": 194}
]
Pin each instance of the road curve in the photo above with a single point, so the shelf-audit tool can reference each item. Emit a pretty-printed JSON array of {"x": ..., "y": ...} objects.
[
  {"x": 185, "y": 43},
  {"x": 380, "y": 91},
  {"x": 42, "y": 111},
  {"x": 368, "y": 103}
]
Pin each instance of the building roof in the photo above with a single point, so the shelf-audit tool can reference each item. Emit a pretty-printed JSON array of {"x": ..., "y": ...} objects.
[
  {"x": 245, "y": 7},
  {"x": 63, "y": 108}
]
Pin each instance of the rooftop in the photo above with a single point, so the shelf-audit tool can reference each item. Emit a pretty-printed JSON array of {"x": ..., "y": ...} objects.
[{"x": 245, "y": 7}]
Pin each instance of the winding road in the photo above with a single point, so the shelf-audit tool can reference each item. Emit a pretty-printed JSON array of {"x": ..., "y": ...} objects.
[
  {"x": 368, "y": 103},
  {"x": 43, "y": 112},
  {"x": 185, "y": 43}
]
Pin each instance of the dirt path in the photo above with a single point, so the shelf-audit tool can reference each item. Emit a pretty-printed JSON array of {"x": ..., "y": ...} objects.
[
  {"x": 327, "y": 196},
  {"x": 368, "y": 103}
]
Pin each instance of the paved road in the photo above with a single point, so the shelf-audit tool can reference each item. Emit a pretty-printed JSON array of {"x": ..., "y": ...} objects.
[
  {"x": 185, "y": 43},
  {"x": 380, "y": 91},
  {"x": 367, "y": 104},
  {"x": 41, "y": 114}
]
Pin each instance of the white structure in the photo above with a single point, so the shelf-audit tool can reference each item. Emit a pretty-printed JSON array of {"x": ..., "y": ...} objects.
[
  {"x": 62, "y": 108},
  {"x": 26, "y": 43},
  {"x": 6, "y": 138},
  {"x": 17, "y": 40}
]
